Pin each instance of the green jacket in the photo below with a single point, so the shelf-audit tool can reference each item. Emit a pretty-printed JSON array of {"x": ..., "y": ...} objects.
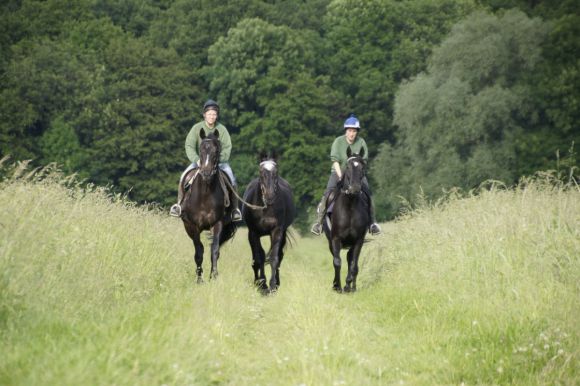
[
  {"x": 339, "y": 146},
  {"x": 193, "y": 140}
]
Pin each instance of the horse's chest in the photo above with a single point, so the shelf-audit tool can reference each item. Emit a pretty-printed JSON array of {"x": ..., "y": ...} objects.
[{"x": 268, "y": 222}]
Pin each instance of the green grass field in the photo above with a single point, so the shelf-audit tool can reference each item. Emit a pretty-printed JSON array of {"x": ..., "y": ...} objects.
[{"x": 94, "y": 290}]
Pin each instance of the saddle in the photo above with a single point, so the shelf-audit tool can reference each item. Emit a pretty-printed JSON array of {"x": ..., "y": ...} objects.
[{"x": 192, "y": 174}]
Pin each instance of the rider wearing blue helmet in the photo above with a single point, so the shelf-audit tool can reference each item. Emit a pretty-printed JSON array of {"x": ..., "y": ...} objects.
[{"x": 338, "y": 156}]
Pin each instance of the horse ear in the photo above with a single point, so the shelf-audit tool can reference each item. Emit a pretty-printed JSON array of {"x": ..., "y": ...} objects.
[
  {"x": 217, "y": 134},
  {"x": 202, "y": 134},
  {"x": 362, "y": 152},
  {"x": 262, "y": 156},
  {"x": 274, "y": 155},
  {"x": 348, "y": 152}
]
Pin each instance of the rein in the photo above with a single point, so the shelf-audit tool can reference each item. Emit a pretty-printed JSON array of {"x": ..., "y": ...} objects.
[{"x": 227, "y": 181}]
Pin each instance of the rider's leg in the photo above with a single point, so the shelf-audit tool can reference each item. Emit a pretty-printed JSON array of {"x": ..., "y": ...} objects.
[
  {"x": 236, "y": 214},
  {"x": 374, "y": 228},
  {"x": 321, "y": 208},
  {"x": 176, "y": 208}
]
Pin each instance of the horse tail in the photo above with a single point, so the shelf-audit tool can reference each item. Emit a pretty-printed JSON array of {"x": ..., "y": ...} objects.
[
  {"x": 228, "y": 231},
  {"x": 290, "y": 238}
]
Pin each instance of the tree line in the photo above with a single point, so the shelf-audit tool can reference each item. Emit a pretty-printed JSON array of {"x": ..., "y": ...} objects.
[{"x": 449, "y": 93}]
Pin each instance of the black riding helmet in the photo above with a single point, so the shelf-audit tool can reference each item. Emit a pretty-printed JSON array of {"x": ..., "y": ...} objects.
[{"x": 210, "y": 104}]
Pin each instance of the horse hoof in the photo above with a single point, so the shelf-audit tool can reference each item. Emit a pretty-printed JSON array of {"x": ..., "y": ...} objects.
[
  {"x": 337, "y": 289},
  {"x": 199, "y": 280},
  {"x": 264, "y": 291}
]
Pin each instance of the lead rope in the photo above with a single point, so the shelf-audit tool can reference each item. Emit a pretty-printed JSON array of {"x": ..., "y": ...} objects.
[{"x": 227, "y": 181}]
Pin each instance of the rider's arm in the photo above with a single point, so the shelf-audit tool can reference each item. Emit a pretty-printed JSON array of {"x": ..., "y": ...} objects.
[
  {"x": 336, "y": 167},
  {"x": 226, "y": 144},
  {"x": 337, "y": 156},
  {"x": 191, "y": 145}
]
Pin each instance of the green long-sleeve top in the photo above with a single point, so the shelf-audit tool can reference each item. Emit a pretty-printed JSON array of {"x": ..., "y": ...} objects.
[
  {"x": 193, "y": 140},
  {"x": 339, "y": 146}
]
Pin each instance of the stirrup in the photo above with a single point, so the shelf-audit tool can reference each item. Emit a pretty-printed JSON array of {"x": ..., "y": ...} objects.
[
  {"x": 236, "y": 215},
  {"x": 375, "y": 229},
  {"x": 175, "y": 210},
  {"x": 316, "y": 229}
]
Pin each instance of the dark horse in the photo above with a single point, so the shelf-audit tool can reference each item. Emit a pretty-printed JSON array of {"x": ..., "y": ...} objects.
[
  {"x": 348, "y": 223},
  {"x": 206, "y": 204},
  {"x": 268, "y": 210}
]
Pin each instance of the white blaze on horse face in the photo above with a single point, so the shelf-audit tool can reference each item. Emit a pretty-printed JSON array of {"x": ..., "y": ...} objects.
[
  {"x": 268, "y": 165},
  {"x": 207, "y": 161},
  {"x": 355, "y": 164}
]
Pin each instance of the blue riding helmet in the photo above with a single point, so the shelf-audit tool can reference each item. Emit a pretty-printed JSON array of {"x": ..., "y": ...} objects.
[{"x": 352, "y": 122}]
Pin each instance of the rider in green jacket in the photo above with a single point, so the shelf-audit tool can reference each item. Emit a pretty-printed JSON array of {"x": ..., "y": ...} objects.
[
  {"x": 338, "y": 157},
  {"x": 209, "y": 125}
]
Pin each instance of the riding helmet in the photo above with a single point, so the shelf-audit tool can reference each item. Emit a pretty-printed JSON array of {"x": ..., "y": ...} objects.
[
  {"x": 352, "y": 122},
  {"x": 210, "y": 104}
]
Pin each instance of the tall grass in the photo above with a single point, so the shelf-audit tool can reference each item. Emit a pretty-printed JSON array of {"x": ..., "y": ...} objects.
[{"x": 481, "y": 289}]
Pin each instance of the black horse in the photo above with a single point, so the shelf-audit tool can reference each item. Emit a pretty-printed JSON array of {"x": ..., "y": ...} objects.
[
  {"x": 268, "y": 210},
  {"x": 206, "y": 204},
  {"x": 348, "y": 223}
]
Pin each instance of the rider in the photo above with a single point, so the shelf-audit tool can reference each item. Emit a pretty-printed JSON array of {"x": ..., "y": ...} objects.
[
  {"x": 338, "y": 157},
  {"x": 210, "y": 124}
]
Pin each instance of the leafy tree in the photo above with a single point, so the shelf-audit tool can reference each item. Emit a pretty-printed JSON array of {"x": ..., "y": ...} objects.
[
  {"x": 556, "y": 89},
  {"x": 44, "y": 79},
  {"x": 136, "y": 122},
  {"x": 133, "y": 16},
  {"x": 265, "y": 79},
  {"x": 374, "y": 45},
  {"x": 191, "y": 27},
  {"x": 461, "y": 121},
  {"x": 60, "y": 144}
]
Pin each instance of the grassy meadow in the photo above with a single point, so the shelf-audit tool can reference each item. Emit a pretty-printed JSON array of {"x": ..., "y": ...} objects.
[{"x": 479, "y": 289}]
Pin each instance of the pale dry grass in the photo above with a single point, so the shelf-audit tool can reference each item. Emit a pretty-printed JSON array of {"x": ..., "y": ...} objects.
[{"x": 476, "y": 290}]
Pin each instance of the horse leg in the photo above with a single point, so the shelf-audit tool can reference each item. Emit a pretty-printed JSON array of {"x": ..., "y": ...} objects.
[
  {"x": 353, "y": 255},
  {"x": 281, "y": 256},
  {"x": 198, "y": 256},
  {"x": 276, "y": 241},
  {"x": 337, "y": 263},
  {"x": 258, "y": 257},
  {"x": 215, "y": 249}
]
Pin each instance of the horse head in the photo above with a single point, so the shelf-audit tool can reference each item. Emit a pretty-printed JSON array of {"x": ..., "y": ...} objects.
[
  {"x": 268, "y": 177},
  {"x": 209, "y": 154},
  {"x": 354, "y": 173}
]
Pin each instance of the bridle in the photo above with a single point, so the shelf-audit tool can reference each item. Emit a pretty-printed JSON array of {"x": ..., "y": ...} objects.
[
  {"x": 268, "y": 165},
  {"x": 207, "y": 159},
  {"x": 347, "y": 183}
]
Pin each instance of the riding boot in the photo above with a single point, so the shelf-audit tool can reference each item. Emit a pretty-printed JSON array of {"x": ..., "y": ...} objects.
[
  {"x": 320, "y": 212},
  {"x": 374, "y": 228},
  {"x": 236, "y": 214},
  {"x": 175, "y": 210}
]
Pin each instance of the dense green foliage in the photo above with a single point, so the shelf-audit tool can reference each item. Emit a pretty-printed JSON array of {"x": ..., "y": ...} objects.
[
  {"x": 110, "y": 89},
  {"x": 477, "y": 290}
]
